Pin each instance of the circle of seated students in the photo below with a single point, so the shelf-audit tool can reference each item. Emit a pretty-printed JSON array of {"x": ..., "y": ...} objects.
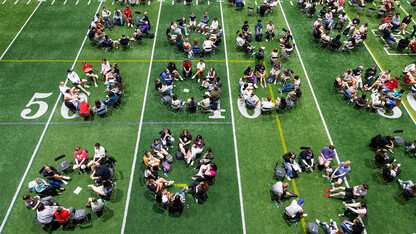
[
  {"x": 248, "y": 95},
  {"x": 212, "y": 34},
  {"x": 159, "y": 160},
  {"x": 244, "y": 39},
  {"x": 306, "y": 162},
  {"x": 383, "y": 96},
  {"x": 78, "y": 104},
  {"x": 98, "y": 36},
  {"x": 53, "y": 215},
  {"x": 212, "y": 82}
]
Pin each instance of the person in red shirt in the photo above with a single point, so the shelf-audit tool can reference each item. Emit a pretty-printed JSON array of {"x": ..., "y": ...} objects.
[
  {"x": 127, "y": 16},
  {"x": 84, "y": 109},
  {"x": 62, "y": 214},
  {"x": 412, "y": 46},
  {"x": 391, "y": 84},
  {"x": 187, "y": 69},
  {"x": 386, "y": 19},
  {"x": 87, "y": 68},
  {"x": 81, "y": 160}
]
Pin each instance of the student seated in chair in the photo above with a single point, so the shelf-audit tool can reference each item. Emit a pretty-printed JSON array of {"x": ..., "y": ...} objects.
[
  {"x": 279, "y": 189},
  {"x": 391, "y": 171},
  {"x": 97, "y": 205},
  {"x": 32, "y": 202},
  {"x": 306, "y": 160},
  {"x": 408, "y": 186},
  {"x": 45, "y": 214},
  {"x": 338, "y": 173},
  {"x": 358, "y": 191},
  {"x": 295, "y": 210},
  {"x": 355, "y": 210},
  {"x": 112, "y": 99},
  {"x": 105, "y": 189}
]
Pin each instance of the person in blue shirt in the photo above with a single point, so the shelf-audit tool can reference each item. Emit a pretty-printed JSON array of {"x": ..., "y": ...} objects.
[
  {"x": 166, "y": 77},
  {"x": 112, "y": 99},
  {"x": 259, "y": 29},
  {"x": 338, "y": 173}
]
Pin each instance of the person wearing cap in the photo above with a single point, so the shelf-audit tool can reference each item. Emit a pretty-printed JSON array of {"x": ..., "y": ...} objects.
[
  {"x": 187, "y": 68},
  {"x": 76, "y": 81},
  {"x": 338, "y": 173},
  {"x": 295, "y": 210},
  {"x": 127, "y": 16}
]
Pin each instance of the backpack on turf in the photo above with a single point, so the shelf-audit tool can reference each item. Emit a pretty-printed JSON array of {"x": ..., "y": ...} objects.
[
  {"x": 166, "y": 166},
  {"x": 179, "y": 156},
  {"x": 168, "y": 158}
]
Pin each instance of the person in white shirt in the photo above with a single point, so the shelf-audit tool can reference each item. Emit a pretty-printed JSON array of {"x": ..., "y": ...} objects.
[
  {"x": 99, "y": 153},
  {"x": 240, "y": 40},
  {"x": 267, "y": 103},
  {"x": 409, "y": 68},
  {"x": 76, "y": 81},
  {"x": 200, "y": 68},
  {"x": 105, "y": 68},
  {"x": 270, "y": 31},
  {"x": 355, "y": 209},
  {"x": 106, "y": 17},
  {"x": 213, "y": 27},
  {"x": 253, "y": 100},
  {"x": 63, "y": 88},
  {"x": 325, "y": 37},
  {"x": 295, "y": 209},
  {"x": 207, "y": 44}
]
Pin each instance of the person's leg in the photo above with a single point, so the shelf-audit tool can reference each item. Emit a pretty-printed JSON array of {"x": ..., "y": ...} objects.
[
  {"x": 194, "y": 153},
  {"x": 337, "y": 189},
  {"x": 288, "y": 86},
  {"x": 289, "y": 170},
  {"x": 48, "y": 200},
  {"x": 182, "y": 149}
]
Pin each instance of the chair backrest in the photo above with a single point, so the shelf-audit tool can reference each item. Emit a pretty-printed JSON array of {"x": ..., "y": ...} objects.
[
  {"x": 250, "y": 9},
  {"x": 59, "y": 157},
  {"x": 398, "y": 131}
]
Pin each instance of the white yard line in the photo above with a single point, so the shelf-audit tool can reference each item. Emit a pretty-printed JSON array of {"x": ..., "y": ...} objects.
[
  {"x": 16, "y": 2},
  {"x": 65, "y": 2},
  {"x": 53, "y": 1},
  {"x": 3, "y": 2},
  {"x": 240, "y": 192},
  {"x": 43, "y": 133},
  {"x": 28, "y": 2},
  {"x": 11, "y": 43},
  {"x": 76, "y": 3},
  {"x": 133, "y": 166}
]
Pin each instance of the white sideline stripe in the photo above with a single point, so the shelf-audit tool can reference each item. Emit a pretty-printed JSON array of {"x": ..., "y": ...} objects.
[
  {"x": 196, "y": 2},
  {"x": 316, "y": 102},
  {"x": 11, "y": 43},
  {"x": 173, "y": 2},
  {"x": 209, "y": 3},
  {"x": 112, "y": 2},
  {"x": 3, "y": 2},
  {"x": 53, "y": 2},
  {"x": 16, "y": 2},
  {"x": 374, "y": 4},
  {"x": 133, "y": 166},
  {"x": 88, "y": 2},
  {"x": 291, "y": 3},
  {"x": 255, "y": 2},
  {"x": 408, "y": 2},
  {"x": 77, "y": 2},
  {"x": 365, "y": 44},
  {"x": 28, "y": 2},
  {"x": 65, "y": 2},
  {"x": 43, "y": 133},
  {"x": 240, "y": 192},
  {"x": 148, "y": 3}
]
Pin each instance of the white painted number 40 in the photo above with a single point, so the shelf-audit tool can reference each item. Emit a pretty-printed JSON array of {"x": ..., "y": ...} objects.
[{"x": 43, "y": 106}]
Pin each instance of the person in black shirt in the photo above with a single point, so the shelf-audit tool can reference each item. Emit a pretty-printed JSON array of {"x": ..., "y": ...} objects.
[
  {"x": 369, "y": 76},
  {"x": 403, "y": 43},
  {"x": 306, "y": 160},
  {"x": 335, "y": 43},
  {"x": 124, "y": 41},
  {"x": 167, "y": 138},
  {"x": 100, "y": 173},
  {"x": 405, "y": 22},
  {"x": 245, "y": 29},
  {"x": 162, "y": 88},
  {"x": 54, "y": 176},
  {"x": 386, "y": 142}
]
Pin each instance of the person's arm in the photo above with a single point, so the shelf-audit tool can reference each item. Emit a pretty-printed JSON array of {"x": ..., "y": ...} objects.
[{"x": 333, "y": 173}]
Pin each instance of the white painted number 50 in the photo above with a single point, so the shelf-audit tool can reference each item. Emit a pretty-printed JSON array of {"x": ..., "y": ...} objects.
[{"x": 43, "y": 106}]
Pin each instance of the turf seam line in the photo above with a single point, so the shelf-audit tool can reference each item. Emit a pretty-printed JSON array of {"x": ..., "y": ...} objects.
[
  {"x": 33, "y": 123},
  {"x": 316, "y": 101},
  {"x": 295, "y": 189},
  {"x": 44, "y": 130},
  {"x": 187, "y": 122},
  {"x": 381, "y": 68},
  {"x": 116, "y": 61},
  {"x": 240, "y": 192},
  {"x": 133, "y": 166},
  {"x": 21, "y": 29}
]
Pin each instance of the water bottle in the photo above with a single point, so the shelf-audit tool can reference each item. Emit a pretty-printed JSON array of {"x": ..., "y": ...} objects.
[
  {"x": 164, "y": 172},
  {"x": 187, "y": 205},
  {"x": 277, "y": 205},
  {"x": 313, "y": 229}
]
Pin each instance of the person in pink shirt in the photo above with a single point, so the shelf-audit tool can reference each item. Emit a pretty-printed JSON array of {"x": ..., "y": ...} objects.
[{"x": 81, "y": 160}]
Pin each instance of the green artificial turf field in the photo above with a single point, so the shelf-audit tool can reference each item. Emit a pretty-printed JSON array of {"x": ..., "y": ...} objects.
[{"x": 40, "y": 40}]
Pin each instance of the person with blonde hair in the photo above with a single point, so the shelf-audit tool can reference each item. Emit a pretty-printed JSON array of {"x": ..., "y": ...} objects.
[
  {"x": 148, "y": 159},
  {"x": 279, "y": 189}
]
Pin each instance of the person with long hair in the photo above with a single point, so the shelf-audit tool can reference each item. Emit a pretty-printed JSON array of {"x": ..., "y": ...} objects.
[
  {"x": 105, "y": 189},
  {"x": 185, "y": 141},
  {"x": 100, "y": 108},
  {"x": 195, "y": 46},
  {"x": 408, "y": 186},
  {"x": 197, "y": 147},
  {"x": 178, "y": 201},
  {"x": 200, "y": 189},
  {"x": 209, "y": 170},
  {"x": 290, "y": 164},
  {"x": 149, "y": 160}
]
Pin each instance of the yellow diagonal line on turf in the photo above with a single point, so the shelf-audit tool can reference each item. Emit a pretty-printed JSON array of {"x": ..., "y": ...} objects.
[
  {"x": 116, "y": 61},
  {"x": 180, "y": 185},
  {"x": 375, "y": 58},
  {"x": 295, "y": 189}
]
